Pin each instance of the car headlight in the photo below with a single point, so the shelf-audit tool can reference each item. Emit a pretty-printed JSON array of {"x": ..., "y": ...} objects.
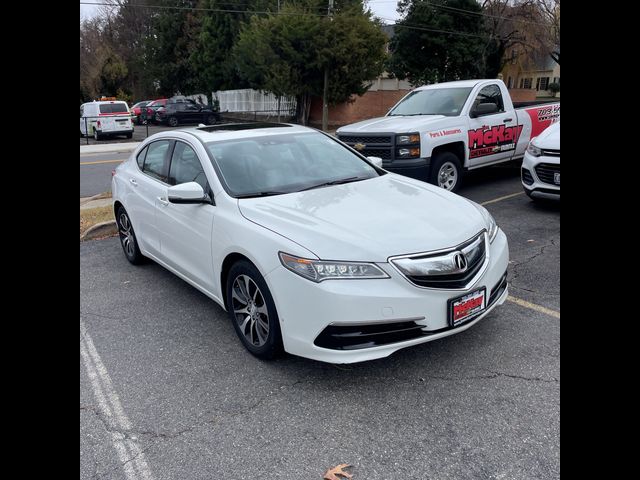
[
  {"x": 407, "y": 138},
  {"x": 532, "y": 149},
  {"x": 319, "y": 270},
  {"x": 492, "y": 226}
]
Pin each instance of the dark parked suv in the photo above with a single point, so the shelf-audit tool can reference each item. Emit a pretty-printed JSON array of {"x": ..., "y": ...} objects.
[{"x": 185, "y": 110}]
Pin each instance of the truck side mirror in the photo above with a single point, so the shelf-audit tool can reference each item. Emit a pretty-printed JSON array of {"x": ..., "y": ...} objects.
[{"x": 483, "y": 109}]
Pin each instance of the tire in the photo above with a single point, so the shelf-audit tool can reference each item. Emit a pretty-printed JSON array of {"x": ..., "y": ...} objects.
[
  {"x": 97, "y": 136},
  {"x": 259, "y": 313},
  {"x": 446, "y": 171},
  {"x": 129, "y": 135},
  {"x": 173, "y": 121},
  {"x": 211, "y": 120},
  {"x": 128, "y": 239},
  {"x": 81, "y": 134}
]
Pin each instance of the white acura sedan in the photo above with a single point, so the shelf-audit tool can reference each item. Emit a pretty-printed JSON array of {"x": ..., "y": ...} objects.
[{"x": 312, "y": 248}]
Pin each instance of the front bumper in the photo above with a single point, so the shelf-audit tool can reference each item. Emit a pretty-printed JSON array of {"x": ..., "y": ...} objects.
[
  {"x": 306, "y": 308},
  {"x": 531, "y": 182}
]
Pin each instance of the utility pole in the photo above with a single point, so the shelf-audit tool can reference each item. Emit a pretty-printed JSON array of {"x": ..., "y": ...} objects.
[{"x": 325, "y": 90}]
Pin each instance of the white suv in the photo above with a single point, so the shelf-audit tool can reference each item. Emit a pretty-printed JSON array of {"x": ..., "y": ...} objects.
[
  {"x": 541, "y": 165},
  {"x": 105, "y": 118}
]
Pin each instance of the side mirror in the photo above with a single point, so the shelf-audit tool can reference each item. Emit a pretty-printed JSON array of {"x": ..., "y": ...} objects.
[
  {"x": 377, "y": 161},
  {"x": 484, "y": 109},
  {"x": 190, "y": 192}
]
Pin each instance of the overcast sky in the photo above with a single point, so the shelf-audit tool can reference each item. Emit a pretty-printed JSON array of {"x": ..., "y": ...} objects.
[{"x": 385, "y": 9}]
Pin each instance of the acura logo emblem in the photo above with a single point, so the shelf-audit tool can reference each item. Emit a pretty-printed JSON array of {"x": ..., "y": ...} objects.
[
  {"x": 460, "y": 261},
  {"x": 359, "y": 146}
]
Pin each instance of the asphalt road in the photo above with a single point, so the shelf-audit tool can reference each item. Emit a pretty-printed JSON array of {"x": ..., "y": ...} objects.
[{"x": 480, "y": 404}]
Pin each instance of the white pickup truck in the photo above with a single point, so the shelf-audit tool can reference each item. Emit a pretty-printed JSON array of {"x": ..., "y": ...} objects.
[{"x": 437, "y": 132}]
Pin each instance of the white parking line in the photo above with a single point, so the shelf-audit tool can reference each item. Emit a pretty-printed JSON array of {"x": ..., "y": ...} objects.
[
  {"x": 502, "y": 198},
  {"x": 533, "y": 306},
  {"x": 131, "y": 456}
]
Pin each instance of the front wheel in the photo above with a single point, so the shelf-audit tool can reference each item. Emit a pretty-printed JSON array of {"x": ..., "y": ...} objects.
[
  {"x": 252, "y": 311},
  {"x": 129, "y": 135},
  {"x": 173, "y": 122},
  {"x": 96, "y": 135},
  {"x": 211, "y": 120},
  {"x": 446, "y": 171}
]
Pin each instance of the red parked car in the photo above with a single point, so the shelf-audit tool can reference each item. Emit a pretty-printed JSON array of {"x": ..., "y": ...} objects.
[
  {"x": 153, "y": 107},
  {"x": 136, "y": 111}
]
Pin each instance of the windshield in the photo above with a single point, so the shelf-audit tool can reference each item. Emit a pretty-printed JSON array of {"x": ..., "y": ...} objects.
[
  {"x": 437, "y": 101},
  {"x": 277, "y": 164}
]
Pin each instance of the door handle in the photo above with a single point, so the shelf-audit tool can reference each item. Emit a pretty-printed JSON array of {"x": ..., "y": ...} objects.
[
  {"x": 133, "y": 182},
  {"x": 507, "y": 120},
  {"x": 163, "y": 201}
]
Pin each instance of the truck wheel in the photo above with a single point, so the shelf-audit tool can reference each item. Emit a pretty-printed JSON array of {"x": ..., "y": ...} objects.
[
  {"x": 446, "y": 171},
  {"x": 96, "y": 135},
  {"x": 129, "y": 135}
]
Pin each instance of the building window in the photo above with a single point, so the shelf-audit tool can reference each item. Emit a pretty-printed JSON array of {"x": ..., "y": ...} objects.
[
  {"x": 542, "y": 83},
  {"x": 526, "y": 83},
  {"x": 556, "y": 79}
]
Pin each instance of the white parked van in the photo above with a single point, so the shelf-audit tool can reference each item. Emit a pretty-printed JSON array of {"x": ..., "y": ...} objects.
[{"x": 105, "y": 118}]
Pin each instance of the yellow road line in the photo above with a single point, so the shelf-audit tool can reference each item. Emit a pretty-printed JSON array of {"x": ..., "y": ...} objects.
[
  {"x": 533, "y": 306},
  {"x": 102, "y": 161},
  {"x": 502, "y": 198}
]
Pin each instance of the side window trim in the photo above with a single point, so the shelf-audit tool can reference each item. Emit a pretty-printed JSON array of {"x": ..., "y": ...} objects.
[{"x": 175, "y": 143}]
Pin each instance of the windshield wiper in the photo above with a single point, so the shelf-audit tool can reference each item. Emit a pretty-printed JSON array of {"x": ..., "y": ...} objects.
[
  {"x": 334, "y": 182},
  {"x": 260, "y": 194}
]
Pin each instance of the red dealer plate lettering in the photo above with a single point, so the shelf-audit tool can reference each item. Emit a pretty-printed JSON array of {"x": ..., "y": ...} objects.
[{"x": 466, "y": 306}]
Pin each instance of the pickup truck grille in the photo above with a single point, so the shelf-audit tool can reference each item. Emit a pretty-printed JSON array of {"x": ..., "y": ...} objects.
[
  {"x": 374, "y": 145},
  {"x": 546, "y": 171},
  {"x": 367, "y": 140}
]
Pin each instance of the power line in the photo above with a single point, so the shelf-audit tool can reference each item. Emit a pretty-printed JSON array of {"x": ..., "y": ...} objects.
[{"x": 467, "y": 12}]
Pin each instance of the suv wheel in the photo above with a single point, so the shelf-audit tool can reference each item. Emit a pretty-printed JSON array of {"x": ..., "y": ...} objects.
[{"x": 173, "y": 121}]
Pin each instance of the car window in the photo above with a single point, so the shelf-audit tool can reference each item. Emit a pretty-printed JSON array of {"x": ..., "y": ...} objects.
[
  {"x": 490, "y": 94},
  {"x": 155, "y": 160},
  {"x": 120, "y": 107},
  {"x": 186, "y": 167},
  {"x": 140, "y": 157}
]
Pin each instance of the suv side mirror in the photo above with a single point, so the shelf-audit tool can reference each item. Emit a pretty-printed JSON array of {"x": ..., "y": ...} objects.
[{"x": 484, "y": 109}]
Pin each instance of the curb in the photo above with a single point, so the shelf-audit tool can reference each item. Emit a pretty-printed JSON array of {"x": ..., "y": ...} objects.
[
  {"x": 109, "y": 148},
  {"x": 100, "y": 230},
  {"x": 98, "y": 196}
]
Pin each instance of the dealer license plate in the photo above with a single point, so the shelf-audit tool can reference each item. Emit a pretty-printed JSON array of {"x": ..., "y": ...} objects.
[{"x": 468, "y": 305}]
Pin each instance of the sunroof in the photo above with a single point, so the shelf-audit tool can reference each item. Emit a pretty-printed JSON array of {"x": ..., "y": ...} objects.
[{"x": 242, "y": 126}]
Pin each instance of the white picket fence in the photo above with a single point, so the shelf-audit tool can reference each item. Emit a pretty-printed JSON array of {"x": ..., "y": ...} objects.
[{"x": 248, "y": 100}]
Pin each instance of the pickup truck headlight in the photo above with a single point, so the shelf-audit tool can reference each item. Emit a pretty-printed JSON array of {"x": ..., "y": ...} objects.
[
  {"x": 407, "y": 138},
  {"x": 532, "y": 149},
  {"x": 319, "y": 270},
  {"x": 413, "y": 152}
]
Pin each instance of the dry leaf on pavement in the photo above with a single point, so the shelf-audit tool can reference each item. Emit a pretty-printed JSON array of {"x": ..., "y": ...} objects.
[{"x": 333, "y": 473}]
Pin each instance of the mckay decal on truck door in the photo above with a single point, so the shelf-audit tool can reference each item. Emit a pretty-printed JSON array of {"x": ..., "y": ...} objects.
[{"x": 488, "y": 140}]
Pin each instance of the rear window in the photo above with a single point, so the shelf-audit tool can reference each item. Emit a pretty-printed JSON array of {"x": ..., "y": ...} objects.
[{"x": 114, "y": 108}]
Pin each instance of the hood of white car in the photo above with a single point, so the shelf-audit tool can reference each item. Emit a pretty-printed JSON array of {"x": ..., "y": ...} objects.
[
  {"x": 550, "y": 137},
  {"x": 400, "y": 124},
  {"x": 369, "y": 220}
]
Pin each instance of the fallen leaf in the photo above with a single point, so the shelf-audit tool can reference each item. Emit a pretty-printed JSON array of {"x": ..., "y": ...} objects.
[
  {"x": 332, "y": 473},
  {"x": 530, "y": 241}
]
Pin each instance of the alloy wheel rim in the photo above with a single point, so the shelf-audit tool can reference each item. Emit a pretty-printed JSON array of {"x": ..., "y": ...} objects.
[
  {"x": 447, "y": 176},
  {"x": 126, "y": 235},
  {"x": 250, "y": 310}
]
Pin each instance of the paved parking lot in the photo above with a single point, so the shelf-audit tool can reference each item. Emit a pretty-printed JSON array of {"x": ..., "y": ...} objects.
[{"x": 185, "y": 400}]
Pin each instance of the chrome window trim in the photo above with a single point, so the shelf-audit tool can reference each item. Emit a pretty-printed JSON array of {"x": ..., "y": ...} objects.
[{"x": 482, "y": 234}]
